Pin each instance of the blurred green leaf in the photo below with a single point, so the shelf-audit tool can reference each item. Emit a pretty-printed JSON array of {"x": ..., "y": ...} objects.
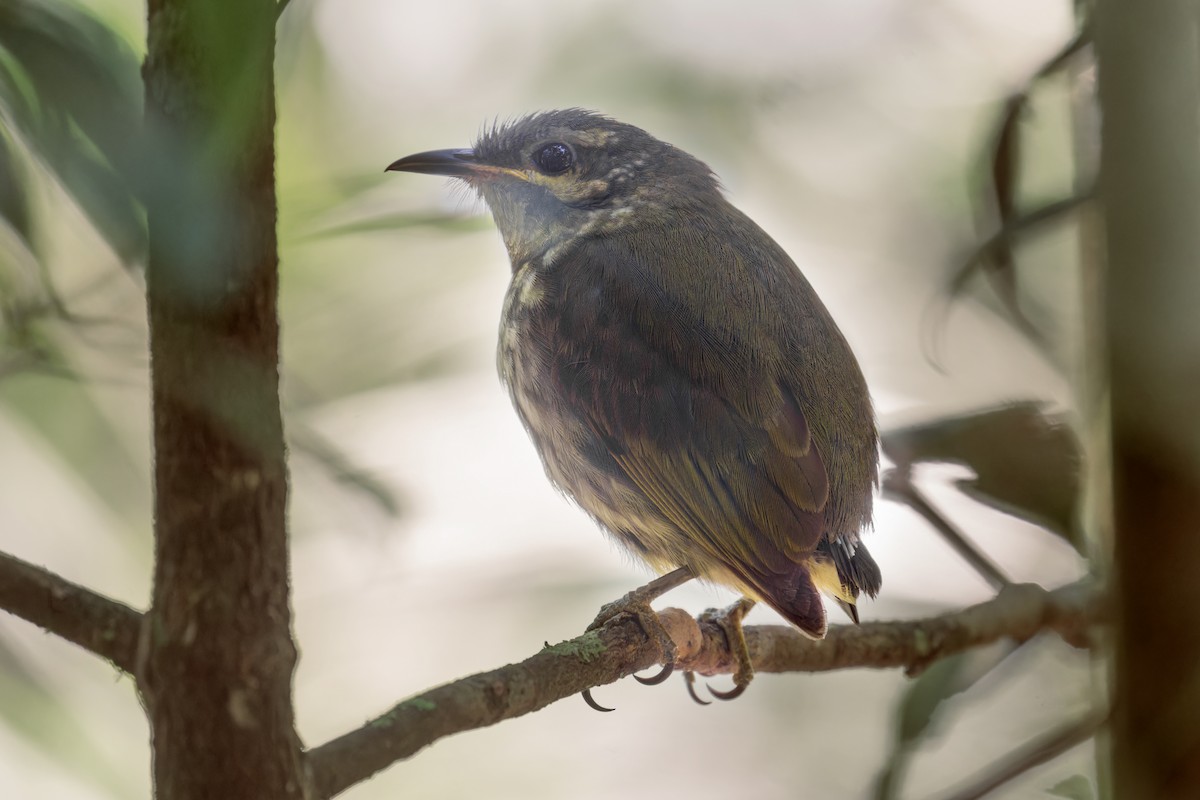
[
  {"x": 1076, "y": 787},
  {"x": 14, "y": 194},
  {"x": 922, "y": 700},
  {"x": 1027, "y": 463},
  {"x": 70, "y": 89},
  {"x": 392, "y": 222},
  {"x": 79, "y": 66},
  {"x": 106, "y": 197}
]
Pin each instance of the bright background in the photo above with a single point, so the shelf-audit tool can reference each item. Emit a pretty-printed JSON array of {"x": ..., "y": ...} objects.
[{"x": 850, "y": 131}]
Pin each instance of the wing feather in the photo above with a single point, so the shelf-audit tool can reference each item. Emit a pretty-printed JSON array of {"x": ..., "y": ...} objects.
[{"x": 706, "y": 429}]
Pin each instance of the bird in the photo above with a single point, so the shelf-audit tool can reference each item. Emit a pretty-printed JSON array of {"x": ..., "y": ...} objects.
[{"x": 679, "y": 376}]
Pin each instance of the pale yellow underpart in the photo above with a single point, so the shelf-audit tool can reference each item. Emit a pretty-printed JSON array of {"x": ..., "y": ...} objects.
[
  {"x": 823, "y": 573},
  {"x": 825, "y": 577}
]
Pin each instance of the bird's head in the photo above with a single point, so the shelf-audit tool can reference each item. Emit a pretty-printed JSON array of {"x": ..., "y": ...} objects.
[{"x": 552, "y": 177}]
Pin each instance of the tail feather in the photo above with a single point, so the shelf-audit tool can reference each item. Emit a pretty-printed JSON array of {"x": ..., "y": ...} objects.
[
  {"x": 799, "y": 602},
  {"x": 842, "y": 569},
  {"x": 856, "y": 569}
]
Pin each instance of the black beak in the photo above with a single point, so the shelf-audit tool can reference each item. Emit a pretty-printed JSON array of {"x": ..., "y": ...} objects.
[{"x": 455, "y": 163}]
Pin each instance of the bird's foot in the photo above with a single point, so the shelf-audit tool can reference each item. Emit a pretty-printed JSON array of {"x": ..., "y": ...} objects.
[
  {"x": 636, "y": 604},
  {"x": 730, "y": 621}
]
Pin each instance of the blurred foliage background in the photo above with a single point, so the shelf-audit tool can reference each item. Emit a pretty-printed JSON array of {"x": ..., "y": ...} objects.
[{"x": 427, "y": 543}]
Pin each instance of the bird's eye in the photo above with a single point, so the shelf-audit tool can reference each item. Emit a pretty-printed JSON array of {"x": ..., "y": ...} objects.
[{"x": 554, "y": 158}]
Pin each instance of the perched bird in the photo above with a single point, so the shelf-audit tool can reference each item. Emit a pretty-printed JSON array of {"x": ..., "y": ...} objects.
[{"x": 680, "y": 378}]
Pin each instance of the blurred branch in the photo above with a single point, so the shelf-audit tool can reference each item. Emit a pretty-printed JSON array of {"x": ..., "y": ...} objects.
[
  {"x": 898, "y": 486},
  {"x": 998, "y": 263},
  {"x": 1019, "y": 612},
  {"x": 991, "y": 251},
  {"x": 341, "y": 468},
  {"x": 1033, "y": 754},
  {"x": 1009, "y": 233},
  {"x": 94, "y": 622}
]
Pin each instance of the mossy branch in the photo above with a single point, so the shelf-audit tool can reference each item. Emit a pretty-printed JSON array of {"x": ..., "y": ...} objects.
[{"x": 620, "y": 648}]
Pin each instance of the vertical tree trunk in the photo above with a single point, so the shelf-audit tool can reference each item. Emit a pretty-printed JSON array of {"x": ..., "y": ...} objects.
[
  {"x": 219, "y": 654},
  {"x": 1149, "y": 61}
]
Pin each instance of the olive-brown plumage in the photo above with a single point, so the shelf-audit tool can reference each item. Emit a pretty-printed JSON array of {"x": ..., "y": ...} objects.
[{"x": 677, "y": 373}]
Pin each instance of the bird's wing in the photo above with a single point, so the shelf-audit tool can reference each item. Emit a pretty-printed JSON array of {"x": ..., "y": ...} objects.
[{"x": 697, "y": 420}]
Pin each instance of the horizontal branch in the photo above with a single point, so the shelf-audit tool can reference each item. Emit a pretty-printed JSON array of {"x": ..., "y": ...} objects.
[
  {"x": 94, "y": 622},
  {"x": 1019, "y": 612},
  {"x": 621, "y": 647}
]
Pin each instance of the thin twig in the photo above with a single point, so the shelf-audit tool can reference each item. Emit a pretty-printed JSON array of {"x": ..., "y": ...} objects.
[
  {"x": 94, "y": 622},
  {"x": 341, "y": 468},
  {"x": 897, "y": 485},
  {"x": 1010, "y": 231},
  {"x": 1034, "y": 754},
  {"x": 999, "y": 265}
]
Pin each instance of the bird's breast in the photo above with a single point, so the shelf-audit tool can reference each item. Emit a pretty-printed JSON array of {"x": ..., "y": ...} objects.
[
  {"x": 532, "y": 346},
  {"x": 549, "y": 339},
  {"x": 526, "y": 358}
]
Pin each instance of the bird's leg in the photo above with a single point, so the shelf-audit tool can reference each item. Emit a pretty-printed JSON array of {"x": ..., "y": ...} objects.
[
  {"x": 637, "y": 605},
  {"x": 642, "y": 596},
  {"x": 730, "y": 621}
]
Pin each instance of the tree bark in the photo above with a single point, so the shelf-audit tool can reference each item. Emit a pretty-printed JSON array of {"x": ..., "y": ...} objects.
[
  {"x": 1149, "y": 71},
  {"x": 218, "y": 655}
]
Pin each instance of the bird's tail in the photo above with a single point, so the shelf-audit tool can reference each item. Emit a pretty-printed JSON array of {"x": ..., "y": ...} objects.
[
  {"x": 841, "y": 569},
  {"x": 797, "y": 600}
]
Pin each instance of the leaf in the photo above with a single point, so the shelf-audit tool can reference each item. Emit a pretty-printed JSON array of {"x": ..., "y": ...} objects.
[
  {"x": 1027, "y": 463},
  {"x": 14, "y": 195},
  {"x": 70, "y": 90},
  {"x": 1076, "y": 787},
  {"x": 77, "y": 65},
  {"x": 107, "y": 199},
  {"x": 922, "y": 701},
  {"x": 393, "y": 222}
]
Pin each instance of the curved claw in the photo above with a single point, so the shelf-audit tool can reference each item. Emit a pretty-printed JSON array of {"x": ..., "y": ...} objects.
[
  {"x": 655, "y": 680},
  {"x": 586, "y": 694},
  {"x": 689, "y": 680},
  {"x": 732, "y": 694}
]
